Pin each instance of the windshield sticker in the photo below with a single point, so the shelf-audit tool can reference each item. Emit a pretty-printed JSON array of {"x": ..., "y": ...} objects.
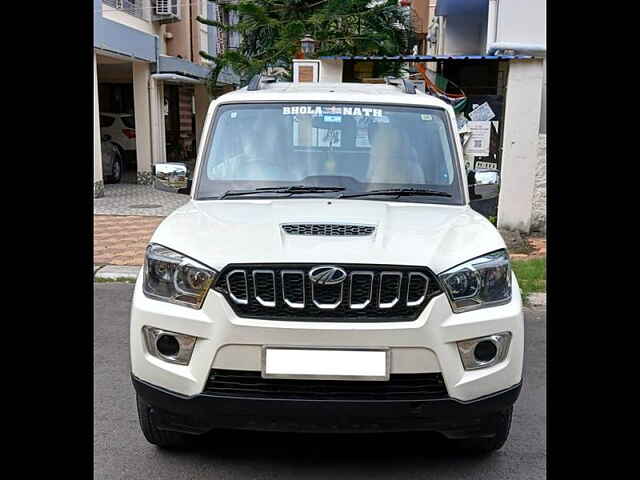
[
  {"x": 426, "y": 117},
  {"x": 318, "y": 110},
  {"x": 333, "y": 118}
]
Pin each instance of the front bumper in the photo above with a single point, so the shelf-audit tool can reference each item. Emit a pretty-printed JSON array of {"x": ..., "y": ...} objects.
[
  {"x": 428, "y": 344},
  {"x": 204, "y": 412}
]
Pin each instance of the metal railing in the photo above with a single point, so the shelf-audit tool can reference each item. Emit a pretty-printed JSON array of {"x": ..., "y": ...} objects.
[{"x": 138, "y": 8}]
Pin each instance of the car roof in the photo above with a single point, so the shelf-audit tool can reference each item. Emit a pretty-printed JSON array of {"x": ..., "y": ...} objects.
[{"x": 332, "y": 92}]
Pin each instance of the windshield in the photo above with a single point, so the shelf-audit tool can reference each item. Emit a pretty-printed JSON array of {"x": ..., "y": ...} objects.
[{"x": 357, "y": 147}]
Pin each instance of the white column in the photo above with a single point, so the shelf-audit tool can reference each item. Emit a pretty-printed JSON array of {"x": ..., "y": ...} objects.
[
  {"x": 159, "y": 147},
  {"x": 143, "y": 121},
  {"x": 98, "y": 183},
  {"x": 202, "y": 106},
  {"x": 520, "y": 144}
]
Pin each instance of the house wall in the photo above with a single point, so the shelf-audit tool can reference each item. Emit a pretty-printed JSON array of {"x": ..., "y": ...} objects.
[
  {"x": 125, "y": 18},
  {"x": 180, "y": 44},
  {"x": 520, "y": 141},
  {"x": 331, "y": 71},
  {"x": 539, "y": 213},
  {"x": 199, "y": 31},
  {"x": 522, "y": 21}
]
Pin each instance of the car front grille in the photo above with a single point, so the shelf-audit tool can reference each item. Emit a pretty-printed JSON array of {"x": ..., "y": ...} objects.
[
  {"x": 399, "y": 386},
  {"x": 328, "y": 229},
  {"x": 369, "y": 293}
]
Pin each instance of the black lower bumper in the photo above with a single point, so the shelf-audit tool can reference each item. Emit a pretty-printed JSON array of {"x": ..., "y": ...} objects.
[{"x": 202, "y": 413}]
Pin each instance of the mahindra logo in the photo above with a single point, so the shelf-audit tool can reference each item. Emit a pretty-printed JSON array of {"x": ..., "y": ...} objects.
[{"x": 327, "y": 275}]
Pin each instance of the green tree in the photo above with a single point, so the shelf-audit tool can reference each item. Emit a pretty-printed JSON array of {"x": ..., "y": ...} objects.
[{"x": 271, "y": 31}]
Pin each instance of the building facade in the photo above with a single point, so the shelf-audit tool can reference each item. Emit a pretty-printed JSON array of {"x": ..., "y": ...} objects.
[
  {"x": 147, "y": 67},
  {"x": 487, "y": 27}
]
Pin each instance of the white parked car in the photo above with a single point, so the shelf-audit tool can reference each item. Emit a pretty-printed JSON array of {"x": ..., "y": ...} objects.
[
  {"x": 122, "y": 129},
  {"x": 327, "y": 275}
]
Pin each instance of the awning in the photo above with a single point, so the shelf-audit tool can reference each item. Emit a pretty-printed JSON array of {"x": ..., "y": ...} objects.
[
  {"x": 181, "y": 67},
  {"x": 174, "y": 78}
]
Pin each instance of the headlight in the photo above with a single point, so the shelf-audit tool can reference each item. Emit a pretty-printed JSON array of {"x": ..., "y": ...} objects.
[
  {"x": 482, "y": 282},
  {"x": 174, "y": 278}
]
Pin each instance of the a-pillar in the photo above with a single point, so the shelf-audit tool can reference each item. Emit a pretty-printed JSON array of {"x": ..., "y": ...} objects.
[
  {"x": 520, "y": 144},
  {"x": 141, "y": 103},
  {"x": 98, "y": 182}
]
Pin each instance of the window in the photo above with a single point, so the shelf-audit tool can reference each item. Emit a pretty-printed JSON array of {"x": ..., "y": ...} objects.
[
  {"x": 226, "y": 35},
  {"x": 203, "y": 29},
  {"x": 106, "y": 121},
  {"x": 129, "y": 121}
]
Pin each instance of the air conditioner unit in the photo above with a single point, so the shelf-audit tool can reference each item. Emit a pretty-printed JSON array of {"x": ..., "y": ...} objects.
[{"x": 165, "y": 11}]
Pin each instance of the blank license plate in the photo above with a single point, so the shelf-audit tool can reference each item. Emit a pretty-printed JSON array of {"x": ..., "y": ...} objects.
[{"x": 325, "y": 364}]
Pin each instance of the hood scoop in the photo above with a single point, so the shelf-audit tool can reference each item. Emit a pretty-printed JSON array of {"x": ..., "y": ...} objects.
[{"x": 328, "y": 229}]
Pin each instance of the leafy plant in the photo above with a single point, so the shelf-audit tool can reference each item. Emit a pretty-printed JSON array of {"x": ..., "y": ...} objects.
[{"x": 271, "y": 30}]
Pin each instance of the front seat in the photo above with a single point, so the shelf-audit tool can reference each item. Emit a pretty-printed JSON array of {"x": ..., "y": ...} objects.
[{"x": 392, "y": 158}]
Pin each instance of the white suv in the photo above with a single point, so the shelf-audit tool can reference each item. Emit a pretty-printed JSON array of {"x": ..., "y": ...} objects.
[
  {"x": 121, "y": 128},
  {"x": 327, "y": 275}
]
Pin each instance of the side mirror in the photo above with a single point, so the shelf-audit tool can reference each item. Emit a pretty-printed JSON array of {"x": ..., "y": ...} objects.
[
  {"x": 106, "y": 137},
  {"x": 483, "y": 177},
  {"x": 170, "y": 176}
]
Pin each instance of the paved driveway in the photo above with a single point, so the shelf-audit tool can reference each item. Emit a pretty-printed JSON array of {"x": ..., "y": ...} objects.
[
  {"x": 129, "y": 199},
  {"x": 120, "y": 450},
  {"x": 122, "y": 239}
]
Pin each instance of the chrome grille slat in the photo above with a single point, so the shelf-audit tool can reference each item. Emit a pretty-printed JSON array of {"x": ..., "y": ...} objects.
[
  {"x": 328, "y": 229},
  {"x": 241, "y": 301},
  {"x": 259, "y": 299},
  {"x": 326, "y": 306},
  {"x": 396, "y": 298},
  {"x": 286, "y": 292},
  {"x": 359, "y": 273},
  {"x": 413, "y": 303}
]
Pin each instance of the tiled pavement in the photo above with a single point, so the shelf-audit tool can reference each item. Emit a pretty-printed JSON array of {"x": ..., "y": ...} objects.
[
  {"x": 132, "y": 199},
  {"x": 538, "y": 246},
  {"x": 121, "y": 240}
]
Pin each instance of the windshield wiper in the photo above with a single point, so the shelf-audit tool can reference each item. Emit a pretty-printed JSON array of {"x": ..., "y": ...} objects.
[
  {"x": 290, "y": 190},
  {"x": 399, "y": 192}
]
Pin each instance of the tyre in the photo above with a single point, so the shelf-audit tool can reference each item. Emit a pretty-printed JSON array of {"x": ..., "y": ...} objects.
[
  {"x": 501, "y": 426},
  {"x": 122, "y": 152},
  {"x": 116, "y": 169},
  {"x": 161, "y": 438}
]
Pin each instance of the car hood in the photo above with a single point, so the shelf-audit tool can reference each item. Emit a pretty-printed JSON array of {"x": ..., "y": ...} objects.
[{"x": 220, "y": 232}]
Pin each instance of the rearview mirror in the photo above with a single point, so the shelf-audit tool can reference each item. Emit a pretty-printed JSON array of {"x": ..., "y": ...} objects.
[
  {"x": 170, "y": 176},
  {"x": 106, "y": 137}
]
